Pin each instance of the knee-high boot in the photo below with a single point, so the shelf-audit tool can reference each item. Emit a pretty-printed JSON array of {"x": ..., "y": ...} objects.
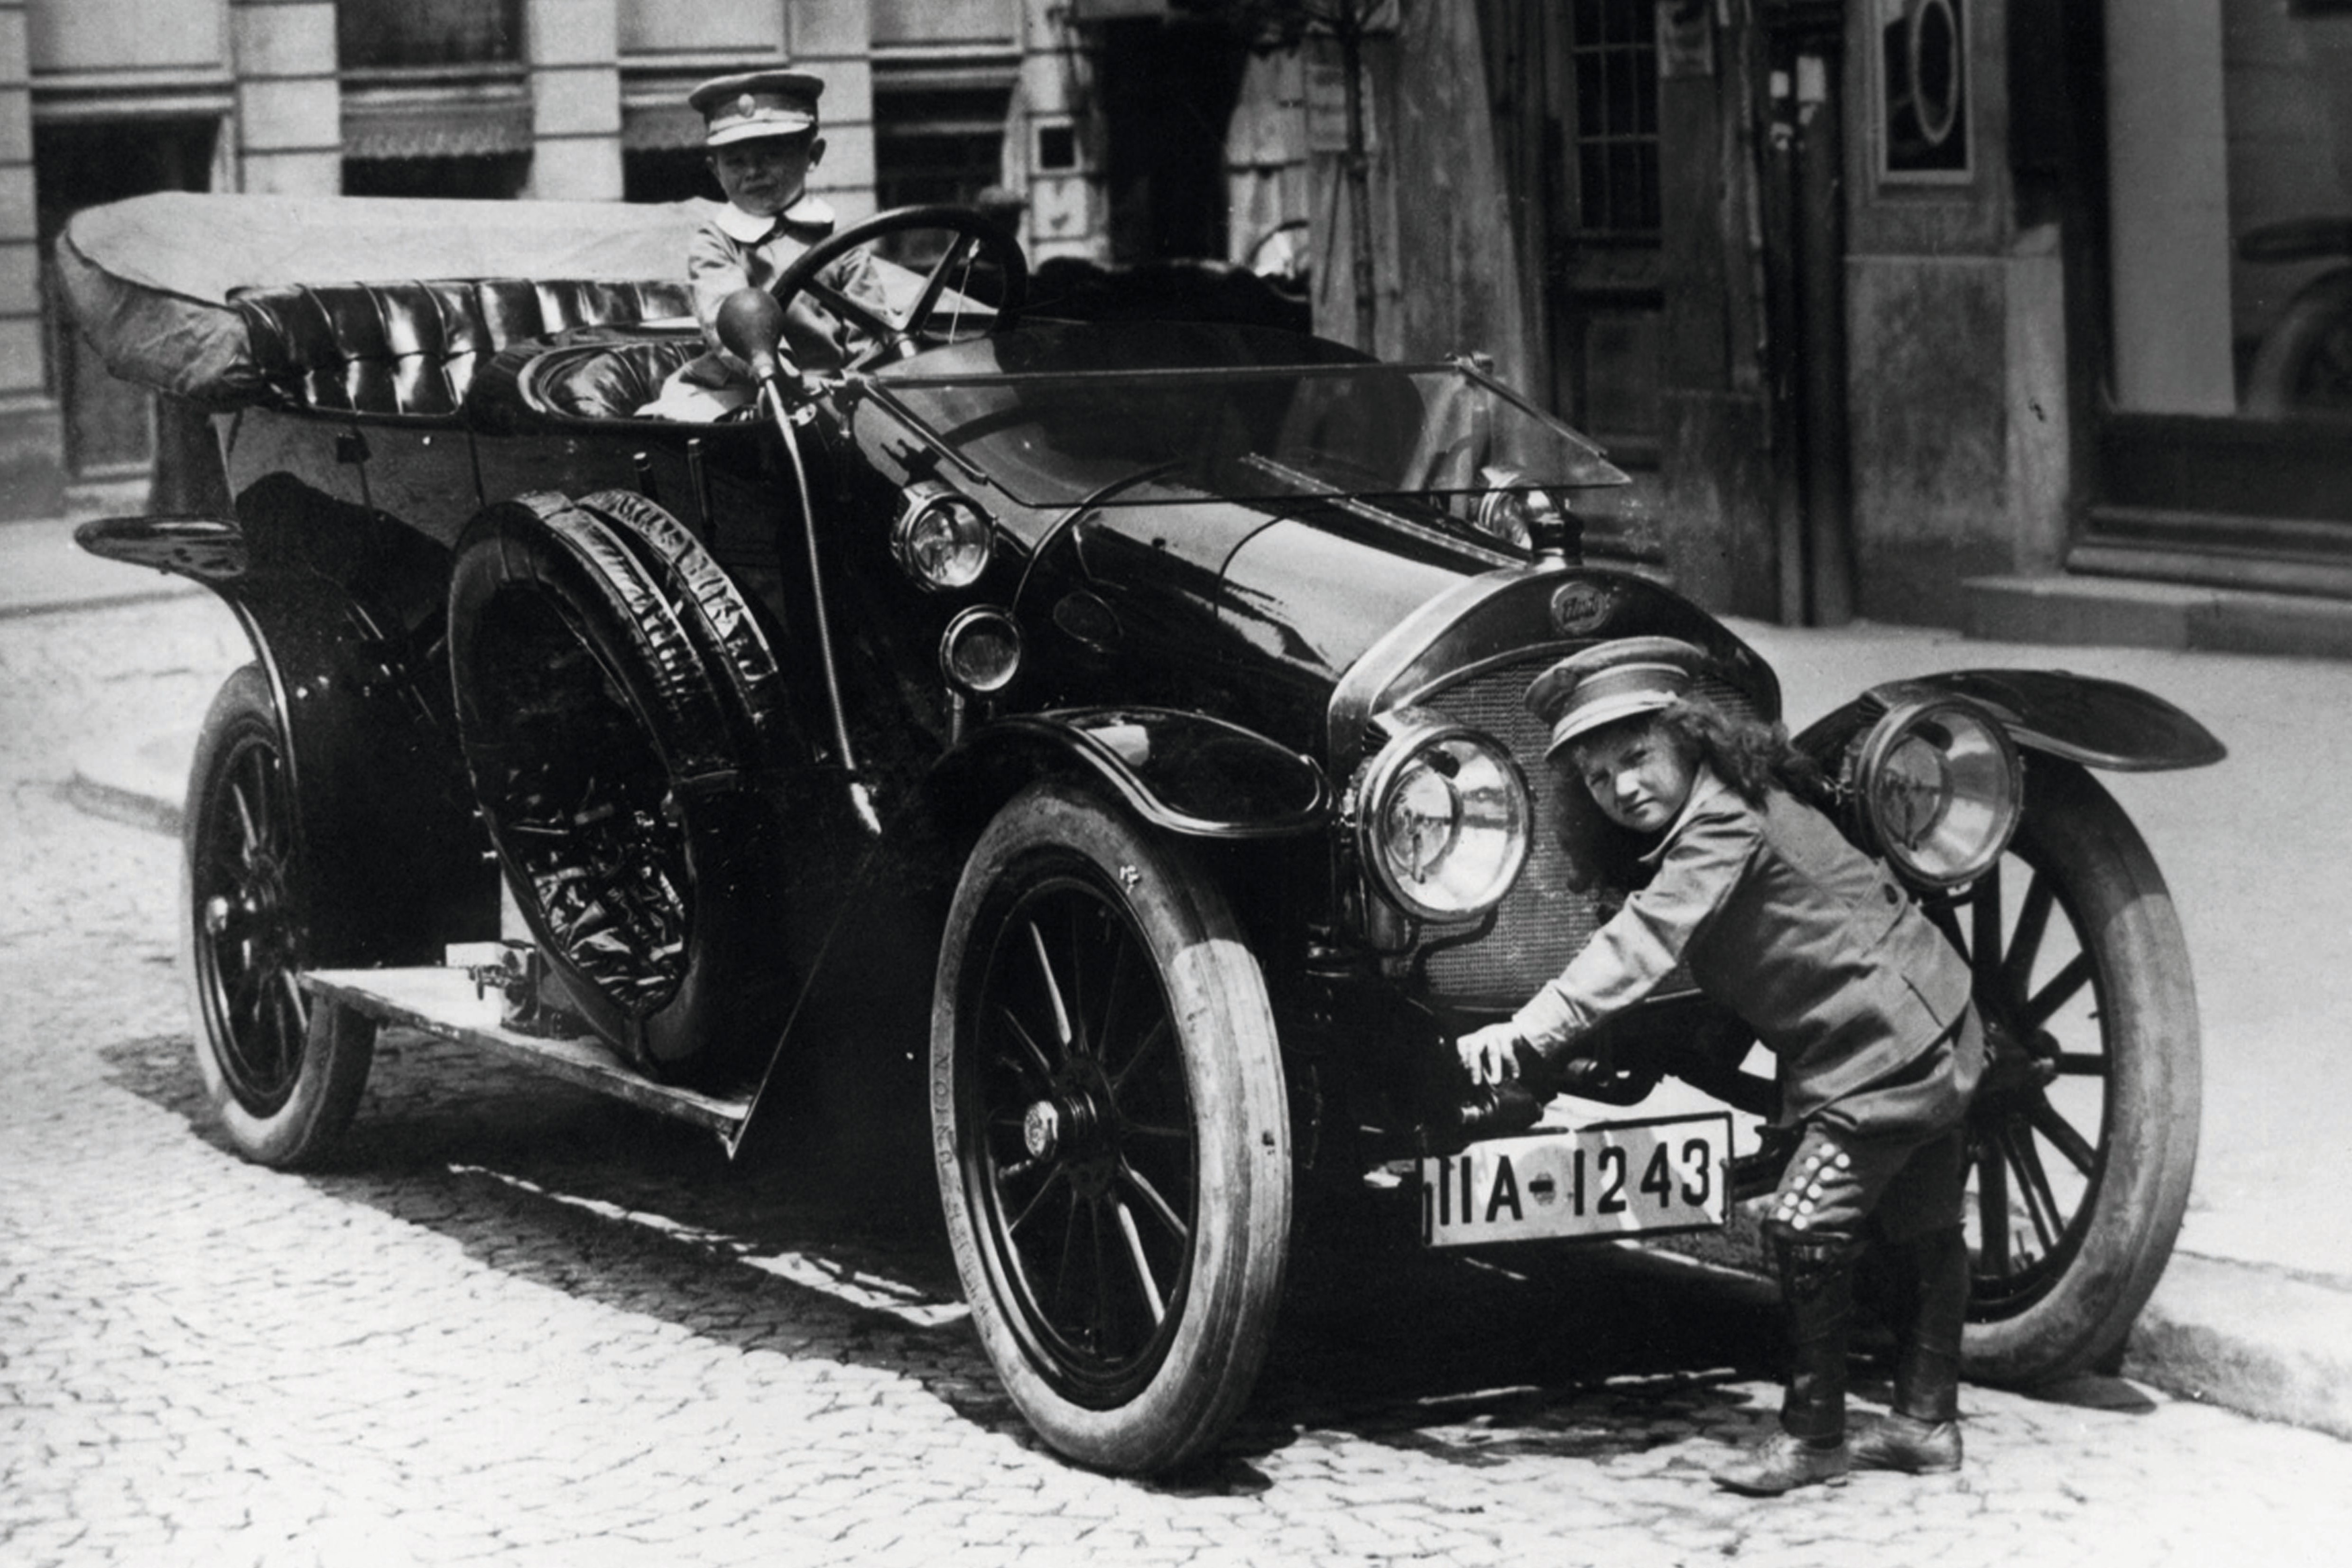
[
  {"x": 1923, "y": 1433},
  {"x": 1817, "y": 1297}
]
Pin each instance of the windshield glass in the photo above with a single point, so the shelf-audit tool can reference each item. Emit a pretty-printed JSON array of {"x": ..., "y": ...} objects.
[{"x": 1030, "y": 414}]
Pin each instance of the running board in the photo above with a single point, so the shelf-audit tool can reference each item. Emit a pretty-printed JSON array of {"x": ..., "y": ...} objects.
[{"x": 449, "y": 1003}]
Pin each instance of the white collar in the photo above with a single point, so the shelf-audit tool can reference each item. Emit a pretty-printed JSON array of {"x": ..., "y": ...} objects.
[{"x": 751, "y": 228}]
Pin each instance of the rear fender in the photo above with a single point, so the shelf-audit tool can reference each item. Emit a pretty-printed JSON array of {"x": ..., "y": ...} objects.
[
  {"x": 2082, "y": 718},
  {"x": 344, "y": 610}
]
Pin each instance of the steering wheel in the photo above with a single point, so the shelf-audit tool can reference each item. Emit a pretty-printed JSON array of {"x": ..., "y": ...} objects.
[{"x": 975, "y": 239}]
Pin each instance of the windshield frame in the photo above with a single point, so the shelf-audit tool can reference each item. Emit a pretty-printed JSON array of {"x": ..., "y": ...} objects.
[{"x": 1586, "y": 466}]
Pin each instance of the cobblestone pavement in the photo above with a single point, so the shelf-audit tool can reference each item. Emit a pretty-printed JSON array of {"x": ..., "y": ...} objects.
[{"x": 515, "y": 1324}]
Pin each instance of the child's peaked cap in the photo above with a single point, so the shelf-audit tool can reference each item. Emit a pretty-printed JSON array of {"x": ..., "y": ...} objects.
[{"x": 1610, "y": 681}]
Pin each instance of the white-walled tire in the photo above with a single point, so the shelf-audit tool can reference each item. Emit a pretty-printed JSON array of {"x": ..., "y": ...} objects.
[
  {"x": 2085, "y": 1141},
  {"x": 1110, "y": 1132}
]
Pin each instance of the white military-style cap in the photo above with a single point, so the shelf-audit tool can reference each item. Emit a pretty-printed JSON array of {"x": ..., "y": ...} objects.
[{"x": 756, "y": 103}]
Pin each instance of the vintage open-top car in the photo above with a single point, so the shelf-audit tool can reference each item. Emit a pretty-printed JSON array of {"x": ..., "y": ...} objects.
[{"x": 1144, "y": 698}]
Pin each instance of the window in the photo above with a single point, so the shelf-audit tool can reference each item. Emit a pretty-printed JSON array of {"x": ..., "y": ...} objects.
[
  {"x": 937, "y": 144},
  {"x": 1614, "y": 51},
  {"x": 433, "y": 97},
  {"x": 379, "y": 35}
]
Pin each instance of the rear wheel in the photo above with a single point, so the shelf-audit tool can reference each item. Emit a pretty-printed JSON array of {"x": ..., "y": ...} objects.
[
  {"x": 1110, "y": 1132},
  {"x": 2084, "y": 1130},
  {"x": 284, "y": 1071}
]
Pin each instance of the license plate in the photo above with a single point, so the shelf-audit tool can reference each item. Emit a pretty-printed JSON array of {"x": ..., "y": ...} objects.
[{"x": 1615, "y": 1180}]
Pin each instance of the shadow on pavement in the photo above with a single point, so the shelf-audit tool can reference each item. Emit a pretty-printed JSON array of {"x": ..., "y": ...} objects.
[{"x": 1586, "y": 1353}]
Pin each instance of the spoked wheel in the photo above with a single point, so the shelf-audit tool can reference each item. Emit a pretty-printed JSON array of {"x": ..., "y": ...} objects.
[
  {"x": 614, "y": 699},
  {"x": 2085, "y": 1128},
  {"x": 1109, "y": 1124},
  {"x": 284, "y": 1074}
]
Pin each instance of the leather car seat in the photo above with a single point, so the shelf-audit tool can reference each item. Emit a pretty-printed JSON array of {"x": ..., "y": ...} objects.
[{"x": 613, "y": 693}]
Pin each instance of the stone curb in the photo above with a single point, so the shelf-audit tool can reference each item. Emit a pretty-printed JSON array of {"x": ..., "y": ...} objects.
[{"x": 2260, "y": 1341}]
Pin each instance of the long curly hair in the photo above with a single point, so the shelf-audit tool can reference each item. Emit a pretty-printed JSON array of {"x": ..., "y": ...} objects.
[{"x": 1752, "y": 757}]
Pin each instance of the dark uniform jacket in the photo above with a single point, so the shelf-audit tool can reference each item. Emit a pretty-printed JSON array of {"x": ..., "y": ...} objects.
[{"x": 1813, "y": 944}]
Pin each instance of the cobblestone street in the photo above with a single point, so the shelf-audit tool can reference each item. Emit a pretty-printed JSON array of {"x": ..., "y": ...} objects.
[{"x": 516, "y": 1323}]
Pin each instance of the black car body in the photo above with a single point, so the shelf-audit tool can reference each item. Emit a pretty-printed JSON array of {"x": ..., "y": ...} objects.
[{"x": 1144, "y": 698}]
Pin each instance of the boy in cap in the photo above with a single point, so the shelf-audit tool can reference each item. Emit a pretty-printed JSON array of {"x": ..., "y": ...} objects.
[
  {"x": 759, "y": 132},
  {"x": 1821, "y": 951}
]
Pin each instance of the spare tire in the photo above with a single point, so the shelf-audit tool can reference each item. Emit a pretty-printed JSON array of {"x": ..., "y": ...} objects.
[{"x": 611, "y": 704}]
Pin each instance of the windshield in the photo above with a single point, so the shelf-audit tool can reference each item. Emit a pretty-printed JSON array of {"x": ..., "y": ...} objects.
[{"x": 1028, "y": 413}]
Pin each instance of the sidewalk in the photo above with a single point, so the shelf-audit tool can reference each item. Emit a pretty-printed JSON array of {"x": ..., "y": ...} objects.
[{"x": 2255, "y": 1311}]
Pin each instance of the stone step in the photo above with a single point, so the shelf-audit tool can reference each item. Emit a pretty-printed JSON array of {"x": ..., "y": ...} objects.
[{"x": 2137, "y": 614}]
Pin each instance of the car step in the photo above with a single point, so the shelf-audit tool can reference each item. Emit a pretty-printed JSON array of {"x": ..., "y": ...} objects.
[{"x": 448, "y": 1002}]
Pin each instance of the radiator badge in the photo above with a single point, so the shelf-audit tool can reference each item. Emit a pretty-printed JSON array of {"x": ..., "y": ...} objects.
[{"x": 1581, "y": 607}]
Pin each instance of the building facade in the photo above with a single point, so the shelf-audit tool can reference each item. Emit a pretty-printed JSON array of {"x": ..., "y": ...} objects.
[
  {"x": 1877, "y": 299},
  {"x": 1894, "y": 305},
  {"x": 961, "y": 101}
]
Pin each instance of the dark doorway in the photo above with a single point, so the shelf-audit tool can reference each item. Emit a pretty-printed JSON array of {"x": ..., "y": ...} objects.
[
  {"x": 109, "y": 423},
  {"x": 1168, "y": 89}
]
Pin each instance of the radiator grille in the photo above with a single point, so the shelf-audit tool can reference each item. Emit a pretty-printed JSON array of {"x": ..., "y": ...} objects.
[{"x": 1543, "y": 923}]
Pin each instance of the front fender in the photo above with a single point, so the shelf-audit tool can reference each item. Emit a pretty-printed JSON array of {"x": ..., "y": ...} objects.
[
  {"x": 1184, "y": 772},
  {"x": 2082, "y": 718}
]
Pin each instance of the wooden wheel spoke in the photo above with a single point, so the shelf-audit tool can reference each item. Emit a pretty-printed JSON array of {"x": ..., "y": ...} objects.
[
  {"x": 1053, "y": 984},
  {"x": 1154, "y": 1040},
  {"x": 2033, "y": 1186},
  {"x": 1065, "y": 1271},
  {"x": 2025, "y": 938},
  {"x": 2061, "y": 989},
  {"x": 2051, "y": 1124},
  {"x": 249, "y": 817},
  {"x": 298, "y": 1005},
  {"x": 1160, "y": 1207},
  {"x": 1102, "y": 1321},
  {"x": 1106, "y": 1026},
  {"x": 1038, "y": 1062},
  {"x": 1984, "y": 924},
  {"x": 1992, "y": 1209},
  {"x": 1053, "y": 1183},
  {"x": 1141, "y": 1265}
]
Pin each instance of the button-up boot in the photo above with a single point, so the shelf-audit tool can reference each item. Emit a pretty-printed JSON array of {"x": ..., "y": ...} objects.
[
  {"x": 1817, "y": 1295},
  {"x": 1922, "y": 1434}
]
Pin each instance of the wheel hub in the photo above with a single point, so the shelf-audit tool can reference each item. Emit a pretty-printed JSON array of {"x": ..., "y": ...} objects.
[{"x": 1064, "y": 1126}]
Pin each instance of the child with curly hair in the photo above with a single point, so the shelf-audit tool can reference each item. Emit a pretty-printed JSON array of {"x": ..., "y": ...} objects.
[{"x": 1816, "y": 947}]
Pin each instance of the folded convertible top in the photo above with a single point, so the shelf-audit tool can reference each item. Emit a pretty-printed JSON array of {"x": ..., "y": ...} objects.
[{"x": 150, "y": 280}]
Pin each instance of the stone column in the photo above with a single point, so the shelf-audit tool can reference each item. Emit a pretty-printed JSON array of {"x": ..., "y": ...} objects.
[
  {"x": 575, "y": 86},
  {"x": 32, "y": 433},
  {"x": 2168, "y": 207},
  {"x": 288, "y": 109},
  {"x": 832, "y": 39}
]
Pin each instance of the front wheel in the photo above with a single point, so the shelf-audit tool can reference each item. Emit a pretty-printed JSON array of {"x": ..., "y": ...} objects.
[
  {"x": 284, "y": 1073},
  {"x": 2085, "y": 1128},
  {"x": 1111, "y": 1131}
]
